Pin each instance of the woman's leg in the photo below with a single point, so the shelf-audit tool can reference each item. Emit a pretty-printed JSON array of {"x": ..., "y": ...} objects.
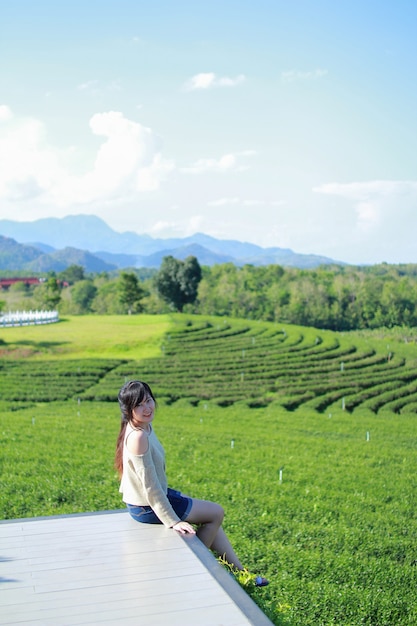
[{"x": 209, "y": 517}]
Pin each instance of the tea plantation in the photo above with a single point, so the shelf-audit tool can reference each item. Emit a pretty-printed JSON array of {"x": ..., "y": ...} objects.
[
  {"x": 227, "y": 361},
  {"x": 307, "y": 438}
]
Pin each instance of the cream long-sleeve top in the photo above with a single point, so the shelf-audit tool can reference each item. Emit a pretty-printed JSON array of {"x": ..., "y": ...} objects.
[{"x": 144, "y": 481}]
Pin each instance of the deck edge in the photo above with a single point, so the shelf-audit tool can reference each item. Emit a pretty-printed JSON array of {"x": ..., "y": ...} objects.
[{"x": 239, "y": 596}]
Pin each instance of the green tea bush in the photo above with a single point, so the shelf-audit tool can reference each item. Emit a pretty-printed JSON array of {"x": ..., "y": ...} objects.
[
  {"x": 228, "y": 361},
  {"x": 49, "y": 381},
  {"x": 319, "y": 499},
  {"x": 259, "y": 362},
  {"x": 327, "y": 514}
]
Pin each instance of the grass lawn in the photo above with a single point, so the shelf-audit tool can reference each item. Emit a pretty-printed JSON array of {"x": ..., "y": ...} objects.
[{"x": 88, "y": 336}]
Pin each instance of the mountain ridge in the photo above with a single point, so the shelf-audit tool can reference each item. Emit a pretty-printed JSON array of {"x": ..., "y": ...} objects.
[{"x": 98, "y": 245}]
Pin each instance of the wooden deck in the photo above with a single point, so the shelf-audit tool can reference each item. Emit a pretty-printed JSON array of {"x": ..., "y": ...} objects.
[{"x": 105, "y": 568}]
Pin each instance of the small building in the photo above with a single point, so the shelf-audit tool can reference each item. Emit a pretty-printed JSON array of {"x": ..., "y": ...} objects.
[{"x": 6, "y": 282}]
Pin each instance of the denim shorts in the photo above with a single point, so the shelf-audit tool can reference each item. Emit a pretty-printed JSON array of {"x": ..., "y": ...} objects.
[{"x": 181, "y": 505}]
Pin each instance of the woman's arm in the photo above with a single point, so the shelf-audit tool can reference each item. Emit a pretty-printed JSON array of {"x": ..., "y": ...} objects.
[{"x": 141, "y": 462}]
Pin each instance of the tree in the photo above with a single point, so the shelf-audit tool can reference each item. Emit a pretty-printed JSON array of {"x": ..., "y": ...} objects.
[
  {"x": 49, "y": 293},
  {"x": 72, "y": 274},
  {"x": 106, "y": 301},
  {"x": 130, "y": 292},
  {"x": 82, "y": 294},
  {"x": 166, "y": 282},
  {"x": 189, "y": 278},
  {"x": 177, "y": 281}
]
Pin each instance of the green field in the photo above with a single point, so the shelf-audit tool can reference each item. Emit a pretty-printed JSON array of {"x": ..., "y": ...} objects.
[
  {"x": 313, "y": 461},
  {"x": 95, "y": 336}
]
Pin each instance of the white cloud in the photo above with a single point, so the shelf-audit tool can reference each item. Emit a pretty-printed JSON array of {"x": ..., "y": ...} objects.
[
  {"x": 368, "y": 215},
  {"x": 161, "y": 227},
  {"x": 150, "y": 178},
  {"x": 89, "y": 85},
  {"x": 225, "y": 81},
  {"x": 290, "y": 76},
  {"x": 252, "y": 202},
  {"x": 380, "y": 205},
  {"x": 94, "y": 87},
  {"x": 362, "y": 190},
  {"x": 180, "y": 228},
  {"x": 201, "y": 81},
  {"x": 128, "y": 161},
  {"x": 245, "y": 203},
  {"x": 223, "y": 201},
  {"x": 5, "y": 113},
  {"x": 27, "y": 165},
  {"x": 209, "y": 80},
  {"x": 226, "y": 163}
]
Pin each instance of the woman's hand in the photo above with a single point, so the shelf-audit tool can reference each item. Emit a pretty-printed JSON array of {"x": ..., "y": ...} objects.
[{"x": 183, "y": 528}]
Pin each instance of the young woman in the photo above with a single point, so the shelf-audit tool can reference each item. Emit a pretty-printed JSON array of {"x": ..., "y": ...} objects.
[{"x": 140, "y": 461}]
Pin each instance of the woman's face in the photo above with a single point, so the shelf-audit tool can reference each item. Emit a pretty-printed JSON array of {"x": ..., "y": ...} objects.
[{"x": 144, "y": 412}]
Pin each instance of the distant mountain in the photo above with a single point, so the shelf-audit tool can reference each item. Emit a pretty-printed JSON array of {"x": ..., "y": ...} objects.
[
  {"x": 119, "y": 260},
  {"x": 288, "y": 258},
  {"x": 13, "y": 255},
  {"x": 42, "y": 246},
  {"x": 85, "y": 232},
  {"x": 58, "y": 236},
  {"x": 61, "y": 259},
  {"x": 204, "y": 256},
  {"x": 17, "y": 257}
]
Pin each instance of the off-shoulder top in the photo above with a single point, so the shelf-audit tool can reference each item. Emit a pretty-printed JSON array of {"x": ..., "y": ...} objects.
[{"x": 144, "y": 481}]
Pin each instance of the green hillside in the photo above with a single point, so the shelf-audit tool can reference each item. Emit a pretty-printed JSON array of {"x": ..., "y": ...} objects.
[
  {"x": 307, "y": 438},
  {"x": 203, "y": 358}
]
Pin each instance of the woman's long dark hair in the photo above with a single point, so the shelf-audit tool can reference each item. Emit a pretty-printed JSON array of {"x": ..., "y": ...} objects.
[{"x": 130, "y": 396}]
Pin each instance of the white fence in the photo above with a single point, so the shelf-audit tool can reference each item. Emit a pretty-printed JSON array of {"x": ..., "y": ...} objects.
[{"x": 27, "y": 318}]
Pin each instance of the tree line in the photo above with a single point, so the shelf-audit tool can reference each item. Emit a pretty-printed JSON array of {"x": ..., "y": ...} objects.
[{"x": 330, "y": 297}]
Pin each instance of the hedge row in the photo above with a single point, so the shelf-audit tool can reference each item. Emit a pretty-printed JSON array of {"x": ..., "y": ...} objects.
[
  {"x": 259, "y": 364},
  {"x": 25, "y": 381},
  {"x": 232, "y": 362}
]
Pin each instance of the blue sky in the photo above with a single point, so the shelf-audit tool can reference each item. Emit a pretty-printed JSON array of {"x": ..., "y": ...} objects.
[{"x": 283, "y": 123}]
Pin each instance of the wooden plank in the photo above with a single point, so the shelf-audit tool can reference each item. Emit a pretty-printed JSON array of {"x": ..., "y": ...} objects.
[{"x": 106, "y": 568}]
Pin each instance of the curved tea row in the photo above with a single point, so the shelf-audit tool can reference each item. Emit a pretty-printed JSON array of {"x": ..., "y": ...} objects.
[
  {"x": 233, "y": 361},
  {"x": 229, "y": 361}
]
